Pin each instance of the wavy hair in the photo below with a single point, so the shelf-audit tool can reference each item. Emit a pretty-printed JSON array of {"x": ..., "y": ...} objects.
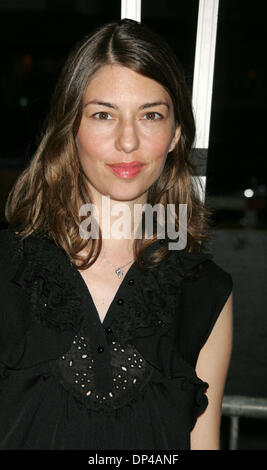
[{"x": 48, "y": 194}]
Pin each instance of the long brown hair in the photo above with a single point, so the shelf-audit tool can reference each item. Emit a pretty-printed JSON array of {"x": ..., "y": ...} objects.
[{"x": 48, "y": 194}]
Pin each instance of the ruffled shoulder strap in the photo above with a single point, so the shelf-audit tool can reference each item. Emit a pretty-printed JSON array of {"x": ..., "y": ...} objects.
[
  {"x": 39, "y": 299},
  {"x": 190, "y": 260},
  {"x": 45, "y": 275}
]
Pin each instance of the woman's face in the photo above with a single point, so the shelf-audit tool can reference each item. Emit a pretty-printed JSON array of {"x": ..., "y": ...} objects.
[{"x": 127, "y": 122}]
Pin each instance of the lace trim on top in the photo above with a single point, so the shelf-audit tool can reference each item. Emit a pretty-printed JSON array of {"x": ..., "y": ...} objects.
[
  {"x": 51, "y": 292},
  {"x": 142, "y": 346}
]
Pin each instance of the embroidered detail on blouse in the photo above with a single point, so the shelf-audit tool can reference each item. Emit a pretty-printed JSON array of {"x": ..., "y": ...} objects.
[
  {"x": 135, "y": 359},
  {"x": 76, "y": 371},
  {"x": 51, "y": 292},
  {"x": 132, "y": 367}
]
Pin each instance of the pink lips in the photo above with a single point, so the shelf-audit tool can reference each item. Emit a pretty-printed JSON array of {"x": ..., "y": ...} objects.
[{"x": 126, "y": 170}]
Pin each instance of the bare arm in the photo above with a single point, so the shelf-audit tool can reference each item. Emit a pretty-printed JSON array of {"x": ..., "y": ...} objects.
[{"x": 212, "y": 366}]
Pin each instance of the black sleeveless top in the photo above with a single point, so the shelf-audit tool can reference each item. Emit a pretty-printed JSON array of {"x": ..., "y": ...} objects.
[{"x": 69, "y": 381}]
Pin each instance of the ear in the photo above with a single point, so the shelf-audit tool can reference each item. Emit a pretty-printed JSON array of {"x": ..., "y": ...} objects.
[{"x": 175, "y": 138}]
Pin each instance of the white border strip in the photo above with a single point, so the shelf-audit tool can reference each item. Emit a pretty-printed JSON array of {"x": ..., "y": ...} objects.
[
  {"x": 204, "y": 68},
  {"x": 131, "y": 9}
]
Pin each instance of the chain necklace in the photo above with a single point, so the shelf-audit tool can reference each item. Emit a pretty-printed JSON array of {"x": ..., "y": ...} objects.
[{"x": 119, "y": 270}]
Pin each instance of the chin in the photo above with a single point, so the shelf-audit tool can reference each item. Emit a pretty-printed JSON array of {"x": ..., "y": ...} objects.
[{"x": 125, "y": 195}]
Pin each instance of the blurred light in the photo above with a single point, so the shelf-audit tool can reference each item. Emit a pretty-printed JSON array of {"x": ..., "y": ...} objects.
[
  {"x": 248, "y": 193},
  {"x": 23, "y": 101}
]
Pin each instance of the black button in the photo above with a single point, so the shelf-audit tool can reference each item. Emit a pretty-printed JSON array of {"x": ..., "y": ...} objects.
[
  {"x": 131, "y": 282},
  {"x": 108, "y": 330},
  {"x": 120, "y": 301},
  {"x": 137, "y": 314},
  {"x": 162, "y": 241},
  {"x": 100, "y": 349}
]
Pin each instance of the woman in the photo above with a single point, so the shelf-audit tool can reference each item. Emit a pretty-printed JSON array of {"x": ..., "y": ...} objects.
[{"x": 112, "y": 343}]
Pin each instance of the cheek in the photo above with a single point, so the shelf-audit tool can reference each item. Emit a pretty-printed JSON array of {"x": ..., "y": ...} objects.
[
  {"x": 90, "y": 147},
  {"x": 157, "y": 148}
]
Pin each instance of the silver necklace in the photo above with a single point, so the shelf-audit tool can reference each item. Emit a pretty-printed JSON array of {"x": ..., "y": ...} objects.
[{"x": 119, "y": 270}]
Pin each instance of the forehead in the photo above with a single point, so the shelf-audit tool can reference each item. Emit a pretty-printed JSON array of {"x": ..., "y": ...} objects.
[{"x": 114, "y": 80}]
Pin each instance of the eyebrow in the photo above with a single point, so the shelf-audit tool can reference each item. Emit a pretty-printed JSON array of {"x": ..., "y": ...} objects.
[{"x": 114, "y": 106}]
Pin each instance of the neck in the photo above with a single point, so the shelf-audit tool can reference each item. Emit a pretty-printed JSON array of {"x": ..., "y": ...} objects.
[{"x": 118, "y": 221}]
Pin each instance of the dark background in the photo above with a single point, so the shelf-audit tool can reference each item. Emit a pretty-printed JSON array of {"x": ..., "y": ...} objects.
[{"x": 35, "y": 38}]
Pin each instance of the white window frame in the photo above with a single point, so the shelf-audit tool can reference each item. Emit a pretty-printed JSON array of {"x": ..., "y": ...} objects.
[
  {"x": 131, "y": 9},
  {"x": 203, "y": 68}
]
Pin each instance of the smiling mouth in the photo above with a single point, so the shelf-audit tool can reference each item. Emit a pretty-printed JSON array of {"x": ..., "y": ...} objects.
[
  {"x": 126, "y": 164},
  {"x": 126, "y": 170}
]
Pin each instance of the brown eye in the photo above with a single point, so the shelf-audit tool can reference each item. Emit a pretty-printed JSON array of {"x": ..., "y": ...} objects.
[
  {"x": 102, "y": 116},
  {"x": 151, "y": 116}
]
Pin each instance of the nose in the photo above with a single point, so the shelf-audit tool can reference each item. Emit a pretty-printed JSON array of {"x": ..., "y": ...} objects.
[{"x": 127, "y": 139}]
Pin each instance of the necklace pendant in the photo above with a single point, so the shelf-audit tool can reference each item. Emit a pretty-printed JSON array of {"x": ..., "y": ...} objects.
[{"x": 119, "y": 272}]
